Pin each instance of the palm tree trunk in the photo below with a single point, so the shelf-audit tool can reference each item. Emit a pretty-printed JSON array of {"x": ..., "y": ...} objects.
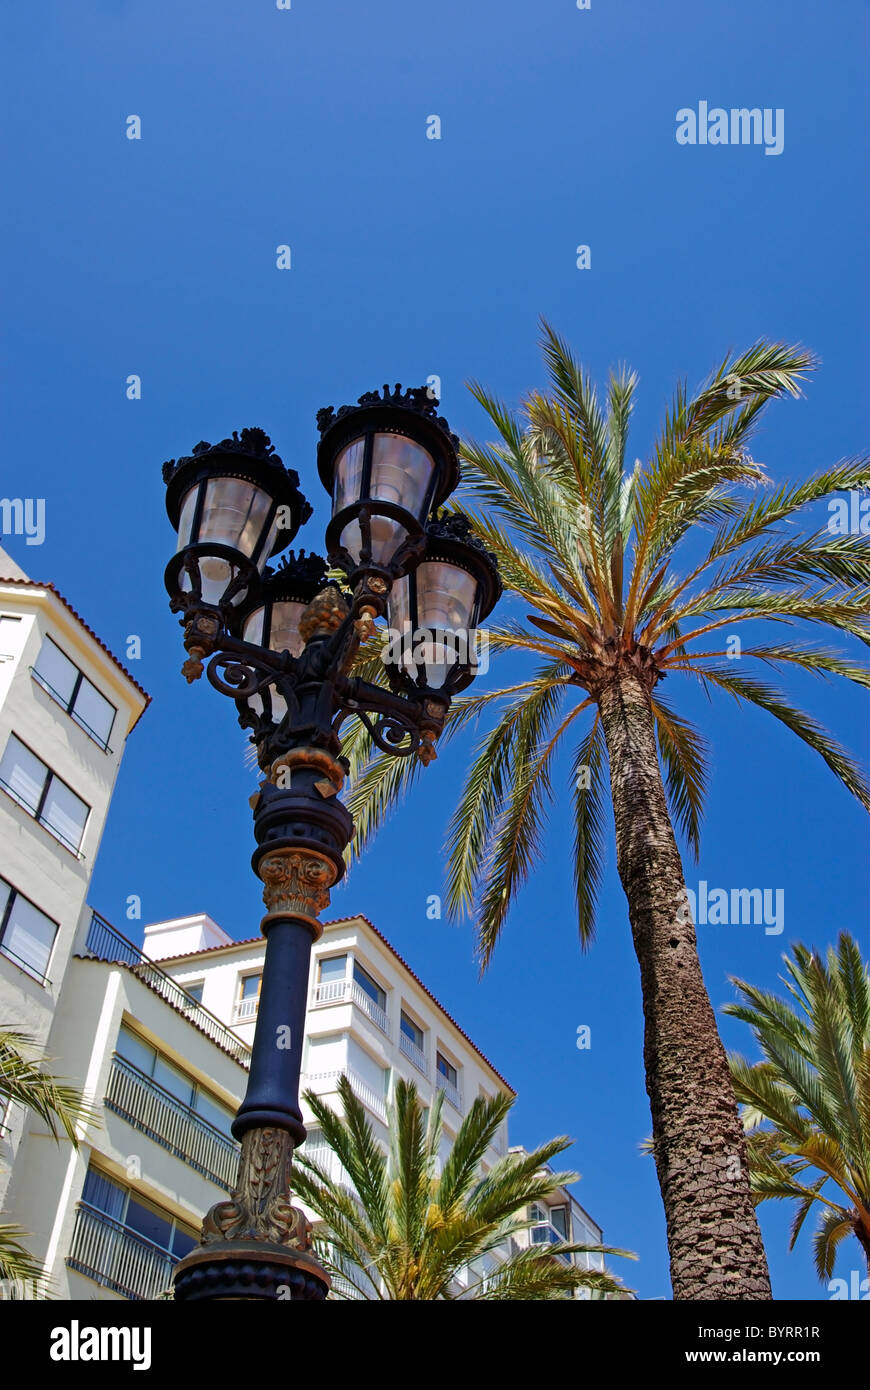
[{"x": 713, "y": 1236}]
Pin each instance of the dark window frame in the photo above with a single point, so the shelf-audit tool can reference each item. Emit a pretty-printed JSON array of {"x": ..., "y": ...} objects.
[
  {"x": 75, "y": 851},
  {"x": 405, "y": 1017},
  {"x": 69, "y": 706},
  {"x": 452, "y": 1080},
  {"x": 9, "y": 955},
  {"x": 381, "y": 1001}
]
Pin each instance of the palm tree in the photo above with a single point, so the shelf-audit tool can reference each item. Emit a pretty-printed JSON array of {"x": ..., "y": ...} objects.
[
  {"x": 807, "y": 1105},
  {"x": 394, "y": 1229},
  {"x": 59, "y": 1105},
  {"x": 593, "y": 552}
]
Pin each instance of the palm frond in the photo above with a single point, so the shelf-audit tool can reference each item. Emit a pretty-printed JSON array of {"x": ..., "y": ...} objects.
[{"x": 684, "y": 752}]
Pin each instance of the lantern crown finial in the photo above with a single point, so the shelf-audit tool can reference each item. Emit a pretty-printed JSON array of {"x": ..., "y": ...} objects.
[{"x": 419, "y": 399}]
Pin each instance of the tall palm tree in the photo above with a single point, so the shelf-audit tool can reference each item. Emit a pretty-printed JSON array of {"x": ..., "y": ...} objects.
[
  {"x": 593, "y": 551},
  {"x": 61, "y": 1107},
  {"x": 395, "y": 1229},
  {"x": 807, "y": 1105}
]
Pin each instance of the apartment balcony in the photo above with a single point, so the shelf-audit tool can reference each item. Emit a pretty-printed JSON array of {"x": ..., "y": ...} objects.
[
  {"x": 350, "y": 992},
  {"x": 155, "y": 1112},
  {"x": 323, "y": 1082},
  {"x": 105, "y": 943},
  {"x": 118, "y": 1258},
  {"x": 415, "y": 1055},
  {"x": 244, "y": 1010},
  {"x": 451, "y": 1092},
  {"x": 545, "y": 1234}
]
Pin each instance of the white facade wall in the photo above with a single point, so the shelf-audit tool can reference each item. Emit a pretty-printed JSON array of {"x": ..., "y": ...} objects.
[{"x": 32, "y": 860}]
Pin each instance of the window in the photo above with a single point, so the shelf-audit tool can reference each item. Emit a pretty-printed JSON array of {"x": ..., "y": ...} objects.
[
  {"x": 411, "y": 1031},
  {"x": 43, "y": 795},
  {"x": 172, "y": 1079},
  {"x": 248, "y": 998},
  {"x": 332, "y": 968},
  {"x": 369, "y": 987},
  {"x": 26, "y": 934},
  {"x": 551, "y": 1227},
  {"x": 559, "y": 1219},
  {"x": 446, "y": 1069},
  {"x": 9, "y": 630},
  {"x": 74, "y": 692},
  {"x": 194, "y": 989},
  {"x": 137, "y": 1214}
]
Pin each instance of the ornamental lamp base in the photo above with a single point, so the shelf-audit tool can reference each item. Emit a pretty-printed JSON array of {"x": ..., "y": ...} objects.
[{"x": 249, "y": 1269}]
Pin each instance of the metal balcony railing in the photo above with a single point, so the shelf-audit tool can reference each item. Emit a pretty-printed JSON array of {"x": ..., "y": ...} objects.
[
  {"x": 146, "y": 1106},
  {"x": 344, "y": 991},
  {"x": 451, "y": 1092},
  {"x": 116, "y": 1257},
  {"x": 414, "y": 1054},
  {"x": 104, "y": 942},
  {"x": 245, "y": 1009},
  {"x": 322, "y": 1082}
]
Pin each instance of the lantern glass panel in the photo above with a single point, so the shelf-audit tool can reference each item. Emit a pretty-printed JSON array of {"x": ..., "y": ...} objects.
[
  {"x": 185, "y": 520},
  {"x": 215, "y": 576},
  {"x": 253, "y": 627},
  {"x": 234, "y": 514},
  {"x": 445, "y": 596},
  {"x": 401, "y": 472},
  {"x": 283, "y": 634},
  {"x": 438, "y": 634},
  {"x": 348, "y": 475},
  {"x": 387, "y": 537}
]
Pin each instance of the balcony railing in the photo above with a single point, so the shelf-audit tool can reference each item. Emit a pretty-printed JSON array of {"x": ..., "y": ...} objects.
[
  {"x": 344, "y": 991},
  {"x": 451, "y": 1092},
  {"x": 414, "y": 1054},
  {"x": 116, "y": 1257},
  {"x": 323, "y": 1082},
  {"x": 331, "y": 992},
  {"x": 245, "y": 1009},
  {"x": 104, "y": 942},
  {"x": 155, "y": 1112}
]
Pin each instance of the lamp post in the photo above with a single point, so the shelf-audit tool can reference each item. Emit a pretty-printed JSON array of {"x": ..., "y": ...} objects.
[{"x": 281, "y": 641}]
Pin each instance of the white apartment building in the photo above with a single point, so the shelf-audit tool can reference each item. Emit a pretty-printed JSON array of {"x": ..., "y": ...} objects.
[{"x": 67, "y": 706}]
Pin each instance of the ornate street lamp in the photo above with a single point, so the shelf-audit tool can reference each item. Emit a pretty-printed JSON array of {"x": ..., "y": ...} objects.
[{"x": 281, "y": 642}]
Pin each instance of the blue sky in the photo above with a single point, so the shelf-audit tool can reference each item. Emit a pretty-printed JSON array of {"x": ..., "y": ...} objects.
[{"x": 413, "y": 257}]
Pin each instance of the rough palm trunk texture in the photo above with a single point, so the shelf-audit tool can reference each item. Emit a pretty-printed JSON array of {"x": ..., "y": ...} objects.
[{"x": 713, "y": 1237}]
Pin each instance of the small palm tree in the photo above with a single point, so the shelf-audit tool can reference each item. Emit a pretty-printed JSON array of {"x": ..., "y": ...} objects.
[
  {"x": 394, "y": 1229},
  {"x": 614, "y": 606},
  {"x": 59, "y": 1105},
  {"x": 807, "y": 1105}
]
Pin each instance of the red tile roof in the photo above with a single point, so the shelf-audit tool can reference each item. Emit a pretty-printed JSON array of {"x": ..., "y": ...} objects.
[
  {"x": 37, "y": 584},
  {"x": 357, "y": 917},
  {"x": 186, "y": 1014}
]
